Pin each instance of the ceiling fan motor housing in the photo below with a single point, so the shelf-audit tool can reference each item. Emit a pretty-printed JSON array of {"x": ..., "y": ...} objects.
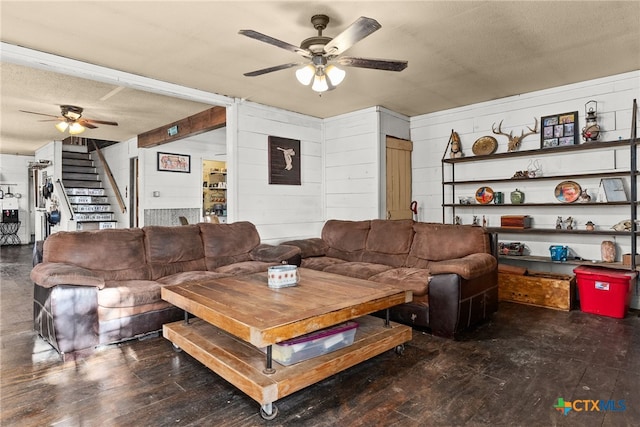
[{"x": 71, "y": 112}]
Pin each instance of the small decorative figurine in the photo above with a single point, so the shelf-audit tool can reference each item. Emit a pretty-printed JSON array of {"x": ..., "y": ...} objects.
[
  {"x": 569, "y": 223},
  {"x": 624, "y": 225},
  {"x": 559, "y": 223},
  {"x": 457, "y": 220},
  {"x": 475, "y": 220},
  {"x": 584, "y": 197},
  {"x": 484, "y": 221},
  {"x": 456, "y": 147},
  {"x": 590, "y": 226}
]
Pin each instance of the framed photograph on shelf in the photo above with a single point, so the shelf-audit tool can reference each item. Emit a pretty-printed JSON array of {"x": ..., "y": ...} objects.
[
  {"x": 559, "y": 130},
  {"x": 612, "y": 190},
  {"x": 284, "y": 161},
  {"x": 171, "y": 162}
]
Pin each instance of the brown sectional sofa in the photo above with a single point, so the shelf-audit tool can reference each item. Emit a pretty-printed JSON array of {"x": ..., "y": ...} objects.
[
  {"x": 451, "y": 269},
  {"x": 94, "y": 288}
]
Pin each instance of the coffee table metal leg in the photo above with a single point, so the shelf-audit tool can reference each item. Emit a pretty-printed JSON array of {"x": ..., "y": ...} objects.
[
  {"x": 269, "y": 366},
  {"x": 186, "y": 317},
  {"x": 387, "y": 323}
]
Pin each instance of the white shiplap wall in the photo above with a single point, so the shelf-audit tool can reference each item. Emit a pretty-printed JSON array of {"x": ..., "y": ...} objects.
[
  {"x": 280, "y": 212},
  {"x": 430, "y": 134},
  {"x": 354, "y": 150}
]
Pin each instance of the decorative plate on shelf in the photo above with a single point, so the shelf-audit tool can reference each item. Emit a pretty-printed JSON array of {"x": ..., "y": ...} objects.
[
  {"x": 568, "y": 191},
  {"x": 484, "y": 195},
  {"x": 485, "y": 145}
]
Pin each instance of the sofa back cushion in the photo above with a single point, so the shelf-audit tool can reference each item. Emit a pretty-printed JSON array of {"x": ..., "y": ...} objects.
[
  {"x": 114, "y": 254},
  {"x": 438, "y": 242},
  {"x": 389, "y": 242},
  {"x": 172, "y": 250},
  {"x": 346, "y": 239},
  {"x": 226, "y": 244}
]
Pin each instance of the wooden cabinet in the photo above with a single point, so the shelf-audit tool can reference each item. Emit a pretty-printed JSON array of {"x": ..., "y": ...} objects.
[{"x": 587, "y": 162}]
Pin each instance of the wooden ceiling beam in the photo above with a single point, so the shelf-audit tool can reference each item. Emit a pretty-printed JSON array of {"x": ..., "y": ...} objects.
[{"x": 207, "y": 120}]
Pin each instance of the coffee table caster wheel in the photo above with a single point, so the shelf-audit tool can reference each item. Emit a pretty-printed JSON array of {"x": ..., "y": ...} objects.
[
  {"x": 176, "y": 348},
  {"x": 400, "y": 349},
  {"x": 268, "y": 411}
]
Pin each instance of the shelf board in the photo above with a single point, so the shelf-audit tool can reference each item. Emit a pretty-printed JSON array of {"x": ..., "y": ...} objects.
[
  {"x": 503, "y": 205},
  {"x": 542, "y": 151},
  {"x": 506, "y": 230},
  {"x": 543, "y": 259},
  {"x": 572, "y": 177}
]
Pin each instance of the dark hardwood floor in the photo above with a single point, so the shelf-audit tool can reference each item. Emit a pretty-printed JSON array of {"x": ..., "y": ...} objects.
[{"x": 510, "y": 371}]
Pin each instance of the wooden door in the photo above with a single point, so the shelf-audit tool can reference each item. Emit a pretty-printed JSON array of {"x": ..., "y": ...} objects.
[{"x": 398, "y": 178}]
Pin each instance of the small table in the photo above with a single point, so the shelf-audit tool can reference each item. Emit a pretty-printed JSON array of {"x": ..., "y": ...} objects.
[
  {"x": 9, "y": 233},
  {"x": 238, "y": 315}
]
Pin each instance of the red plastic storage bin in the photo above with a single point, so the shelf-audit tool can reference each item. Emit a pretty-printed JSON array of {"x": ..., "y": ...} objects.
[{"x": 604, "y": 291}]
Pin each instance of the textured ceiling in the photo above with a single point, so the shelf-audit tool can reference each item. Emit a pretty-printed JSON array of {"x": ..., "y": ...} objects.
[{"x": 459, "y": 53}]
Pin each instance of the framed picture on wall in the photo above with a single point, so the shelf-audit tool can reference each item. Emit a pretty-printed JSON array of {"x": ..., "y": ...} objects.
[
  {"x": 559, "y": 130},
  {"x": 170, "y": 162},
  {"x": 284, "y": 161}
]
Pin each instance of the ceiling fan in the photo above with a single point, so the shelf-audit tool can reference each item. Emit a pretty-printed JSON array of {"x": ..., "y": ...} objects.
[
  {"x": 324, "y": 52},
  {"x": 71, "y": 118}
]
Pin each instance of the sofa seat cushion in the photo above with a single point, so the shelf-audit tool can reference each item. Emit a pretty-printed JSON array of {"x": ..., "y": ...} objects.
[
  {"x": 360, "y": 270},
  {"x": 51, "y": 274},
  {"x": 173, "y": 250},
  {"x": 190, "y": 276},
  {"x": 129, "y": 293},
  {"x": 321, "y": 262},
  {"x": 415, "y": 280},
  {"x": 468, "y": 267},
  {"x": 246, "y": 267}
]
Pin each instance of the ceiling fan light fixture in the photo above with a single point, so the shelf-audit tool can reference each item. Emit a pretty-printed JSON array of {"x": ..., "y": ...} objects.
[
  {"x": 305, "y": 74},
  {"x": 335, "y": 75},
  {"x": 320, "y": 83},
  {"x": 62, "y": 126},
  {"x": 76, "y": 128}
]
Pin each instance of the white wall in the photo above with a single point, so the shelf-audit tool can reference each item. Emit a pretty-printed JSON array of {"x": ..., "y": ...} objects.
[
  {"x": 430, "y": 134},
  {"x": 354, "y": 149},
  {"x": 280, "y": 212}
]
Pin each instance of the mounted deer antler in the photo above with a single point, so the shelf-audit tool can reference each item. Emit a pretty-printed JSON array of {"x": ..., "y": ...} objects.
[{"x": 514, "y": 141}]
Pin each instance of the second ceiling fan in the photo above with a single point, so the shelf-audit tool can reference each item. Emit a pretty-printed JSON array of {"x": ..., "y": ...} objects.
[
  {"x": 71, "y": 119},
  {"x": 324, "y": 52}
]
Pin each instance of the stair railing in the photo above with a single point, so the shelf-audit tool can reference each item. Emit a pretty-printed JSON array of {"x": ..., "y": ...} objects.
[
  {"x": 63, "y": 191},
  {"x": 112, "y": 180}
]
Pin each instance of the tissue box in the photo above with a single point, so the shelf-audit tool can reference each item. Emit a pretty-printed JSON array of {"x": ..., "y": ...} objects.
[{"x": 314, "y": 344}]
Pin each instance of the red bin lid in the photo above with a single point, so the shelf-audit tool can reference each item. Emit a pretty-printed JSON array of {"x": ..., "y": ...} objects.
[{"x": 604, "y": 271}]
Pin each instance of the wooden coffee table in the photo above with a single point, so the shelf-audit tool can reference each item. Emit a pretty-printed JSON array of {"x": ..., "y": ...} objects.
[{"x": 236, "y": 316}]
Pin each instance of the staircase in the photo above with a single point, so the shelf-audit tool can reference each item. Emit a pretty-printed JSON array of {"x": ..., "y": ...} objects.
[{"x": 91, "y": 207}]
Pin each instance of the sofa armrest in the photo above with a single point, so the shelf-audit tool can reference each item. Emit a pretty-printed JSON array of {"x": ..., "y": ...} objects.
[
  {"x": 468, "y": 267},
  {"x": 50, "y": 274},
  {"x": 311, "y": 247},
  {"x": 270, "y": 253}
]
